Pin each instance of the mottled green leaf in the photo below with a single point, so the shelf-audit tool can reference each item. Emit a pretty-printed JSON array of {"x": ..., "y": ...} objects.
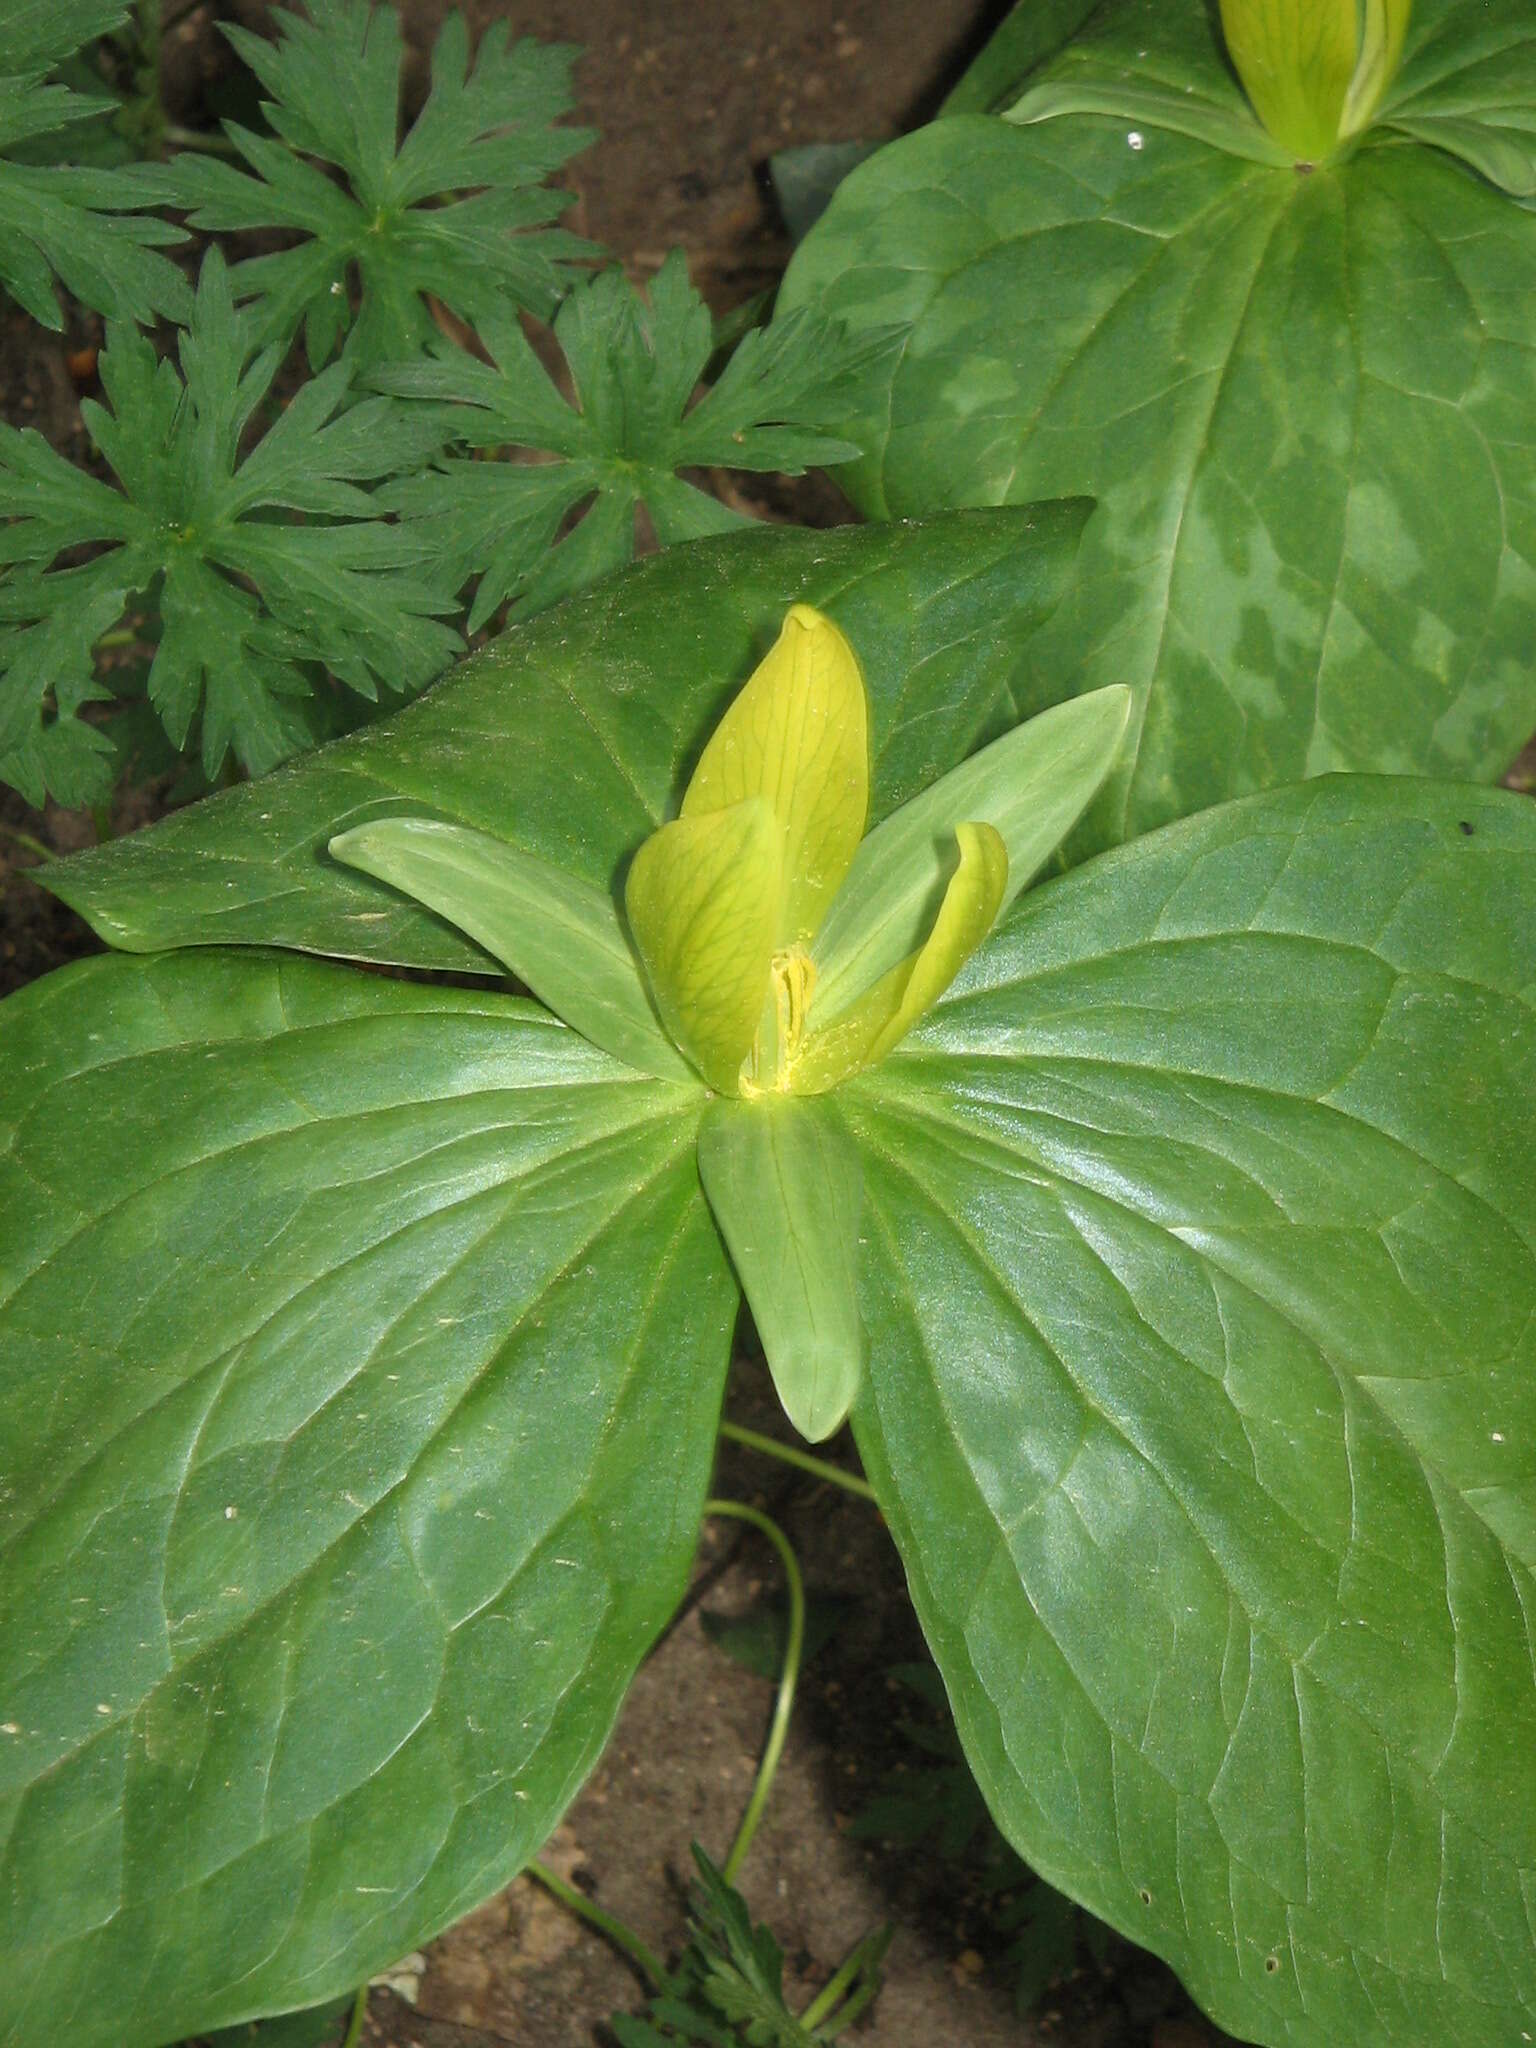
[
  {"x": 784, "y": 1185},
  {"x": 304, "y": 1275},
  {"x": 572, "y": 737},
  {"x": 1302, "y": 402},
  {"x": 560, "y": 936},
  {"x": 1201, "y": 1295}
]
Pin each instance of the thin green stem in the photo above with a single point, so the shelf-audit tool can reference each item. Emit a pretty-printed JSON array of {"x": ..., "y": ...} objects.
[
  {"x": 354, "y": 2032},
  {"x": 150, "y": 111},
  {"x": 197, "y": 138},
  {"x": 26, "y": 842},
  {"x": 788, "y": 1678},
  {"x": 821, "y": 2005},
  {"x": 613, "y": 1930},
  {"x": 770, "y": 1447}
]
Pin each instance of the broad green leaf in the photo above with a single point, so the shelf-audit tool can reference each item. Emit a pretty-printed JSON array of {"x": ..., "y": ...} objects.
[
  {"x": 562, "y": 937},
  {"x": 784, "y": 1185},
  {"x": 572, "y": 737},
  {"x": 1031, "y": 786},
  {"x": 296, "y": 1663},
  {"x": 703, "y": 899},
  {"x": 320, "y": 2027},
  {"x": 1162, "y": 67},
  {"x": 1032, "y": 31},
  {"x": 1468, "y": 85},
  {"x": 798, "y": 738},
  {"x": 1301, "y": 403},
  {"x": 888, "y": 1012},
  {"x": 1201, "y": 1294}
]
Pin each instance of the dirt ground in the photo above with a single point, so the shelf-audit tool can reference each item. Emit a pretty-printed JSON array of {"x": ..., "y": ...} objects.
[{"x": 690, "y": 100}]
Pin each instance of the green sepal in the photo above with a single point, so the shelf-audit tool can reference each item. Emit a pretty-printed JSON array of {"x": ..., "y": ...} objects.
[
  {"x": 786, "y": 1189},
  {"x": 560, "y": 936},
  {"x": 703, "y": 901},
  {"x": 1031, "y": 786},
  {"x": 899, "y": 999}
]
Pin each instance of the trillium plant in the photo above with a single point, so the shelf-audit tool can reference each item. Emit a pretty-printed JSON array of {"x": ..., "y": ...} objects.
[
  {"x": 1162, "y": 1225},
  {"x": 1258, "y": 278},
  {"x": 771, "y": 955}
]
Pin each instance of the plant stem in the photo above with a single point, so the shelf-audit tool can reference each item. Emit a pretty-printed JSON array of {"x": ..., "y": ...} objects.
[
  {"x": 197, "y": 138},
  {"x": 354, "y": 2032},
  {"x": 147, "y": 79},
  {"x": 770, "y": 1447},
  {"x": 821, "y": 2005},
  {"x": 613, "y": 1930},
  {"x": 26, "y": 842},
  {"x": 788, "y": 1677}
]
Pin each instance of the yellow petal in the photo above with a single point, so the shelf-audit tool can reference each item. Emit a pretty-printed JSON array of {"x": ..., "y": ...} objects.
[
  {"x": 1296, "y": 59},
  {"x": 1381, "y": 52},
  {"x": 798, "y": 737},
  {"x": 887, "y": 1013},
  {"x": 703, "y": 899}
]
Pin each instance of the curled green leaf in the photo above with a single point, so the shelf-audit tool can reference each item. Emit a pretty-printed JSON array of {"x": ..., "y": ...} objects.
[
  {"x": 1031, "y": 786},
  {"x": 560, "y": 936},
  {"x": 896, "y": 1002}
]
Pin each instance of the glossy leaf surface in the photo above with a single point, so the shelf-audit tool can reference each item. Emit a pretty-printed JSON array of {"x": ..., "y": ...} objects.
[
  {"x": 620, "y": 689},
  {"x": 1201, "y": 1296},
  {"x": 563, "y": 938},
  {"x": 784, "y": 1185},
  {"x": 1301, "y": 401},
  {"x": 336, "y": 1525}
]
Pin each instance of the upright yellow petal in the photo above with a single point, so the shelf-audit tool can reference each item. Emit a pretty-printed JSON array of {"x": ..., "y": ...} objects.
[
  {"x": 1381, "y": 52},
  {"x": 1296, "y": 59},
  {"x": 887, "y": 1013},
  {"x": 703, "y": 898},
  {"x": 797, "y": 736}
]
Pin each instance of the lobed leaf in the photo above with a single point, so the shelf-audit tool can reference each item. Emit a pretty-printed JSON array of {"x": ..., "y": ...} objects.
[
  {"x": 72, "y": 222},
  {"x": 634, "y": 366},
  {"x": 249, "y": 603},
  {"x": 572, "y": 737},
  {"x": 458, "y": 209}
]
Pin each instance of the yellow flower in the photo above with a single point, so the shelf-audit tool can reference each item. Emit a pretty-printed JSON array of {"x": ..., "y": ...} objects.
[{"x": 734, "y": 906}]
